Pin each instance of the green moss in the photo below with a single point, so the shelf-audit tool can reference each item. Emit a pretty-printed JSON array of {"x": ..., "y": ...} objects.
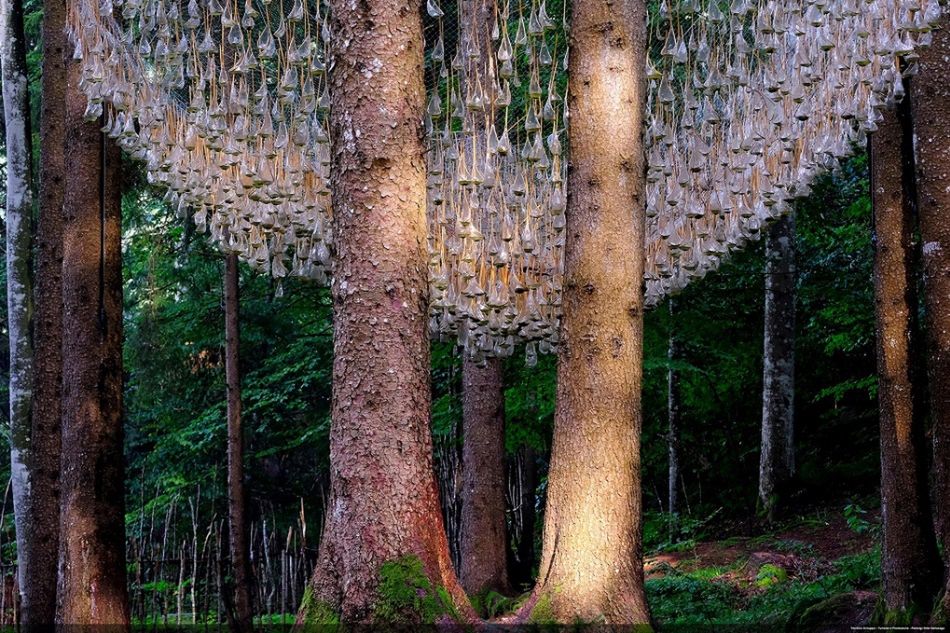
[
  {"x": 491, "y": 604},
  {"x": 407, "y": 596},
  {"x": 318, "y": 613},
  {"x": 543, "y": 611},
  {"x": 769, "y": 575}
]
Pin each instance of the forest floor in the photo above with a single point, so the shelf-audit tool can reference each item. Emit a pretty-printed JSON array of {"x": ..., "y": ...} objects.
[{"x": 819, "y": 572}]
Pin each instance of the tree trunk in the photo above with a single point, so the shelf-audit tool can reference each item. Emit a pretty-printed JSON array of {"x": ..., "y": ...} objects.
[
  {"x": 908, "y": 550},
  {"x": 592, "y": 559},
  {"x": 41, "y": 551},
  {"x": 931, "y": 129},
  {"x": 237, "y": 517},
  {"x": 777, "y": 457},
  {"x": 521, "y": 566},
  {"x": 383, "y": 515},
  {"x": 19, "y": 255},
  {"x": 673, "y": 421},
  {"x": 92, "y": 585},
  {"x": 484, "y": 551}
]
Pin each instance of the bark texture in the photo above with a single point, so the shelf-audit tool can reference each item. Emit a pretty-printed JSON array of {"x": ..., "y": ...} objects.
[
  {"x": 909, "y": 553},
  {"x": 40, "y": 552},
  {"x": 777, "y": 457},
  {"x": 592, "y": 561},
  {"x": 931, "y": 103},
  {"x": 92, "y": 585},
  {"x": 19, "y": 256},
  {"x": 241, "y": 612},
  {"x": 484, "y": 549},
  {"x": 384, "y": 505}
]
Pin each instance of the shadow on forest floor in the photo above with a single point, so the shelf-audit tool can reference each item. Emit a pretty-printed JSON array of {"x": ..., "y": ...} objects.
[{"x": 816, "y": 573}]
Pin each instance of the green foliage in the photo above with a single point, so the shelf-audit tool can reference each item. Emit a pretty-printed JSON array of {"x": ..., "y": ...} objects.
[
  {"x": 856, "y": 518},
  {"x": 491, "y": 604},
  {"x": 769, "y": 575},
  {"x": 407, "y": 595}
]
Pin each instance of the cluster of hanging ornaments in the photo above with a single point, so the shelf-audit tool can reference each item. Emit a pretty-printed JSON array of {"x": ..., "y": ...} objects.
[
  {"x": 748, "y": 105},
  {"x": 496, "y": 176},
  {"x": 225, "y": 101}
]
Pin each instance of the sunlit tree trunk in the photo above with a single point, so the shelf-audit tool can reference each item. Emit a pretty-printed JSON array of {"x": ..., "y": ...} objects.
[
  {"x": 931, "y": 126},
  {"x": 484, "y": 551},
  {"x": 384, "y": 505},
  {"x": 92, "y": 583},
  {"x": 592, "y": 560},
  {"x": 673, "y": 420},
  {"x": 777, "y": 457},
  {"x": 19, "y": 255},
  {"x": 908, "y": 553},
  {"x": 237, "y": 515}
]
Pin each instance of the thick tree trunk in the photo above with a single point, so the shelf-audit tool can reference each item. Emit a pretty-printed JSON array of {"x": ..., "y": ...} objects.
[
  {"x": 931, "y": 102},
  {"x": 40, "y": 552},
  {"x": 19, "y": 245},
  {"x": 673, "y": 422},
  {"x": 909, "y": 554},
  {"x": 484, "y": 550},
  {"x": 92, "y": 585},
  {"x": 592, "y": 560},
  {"x": 237, "y": 516},
  {"x": 777, "y": 457},
  {"x": 383, "y": 515}
]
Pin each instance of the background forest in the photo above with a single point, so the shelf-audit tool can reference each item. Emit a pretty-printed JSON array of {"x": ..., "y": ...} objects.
[{"x": 175, "y": 400}]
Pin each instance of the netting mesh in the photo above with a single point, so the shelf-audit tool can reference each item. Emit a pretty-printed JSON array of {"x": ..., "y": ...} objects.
[{"x": 226, "y": 101}]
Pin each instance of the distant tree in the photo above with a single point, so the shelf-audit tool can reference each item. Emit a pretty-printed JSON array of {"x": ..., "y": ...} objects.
[
  {"x": 92, "y": 582},
  {"x": 592, "y": 562},
  {"x": 19, "y": 260},
  {"x": 673, "y": 406},
  {"x": 383, "y": 511},
  {"x": 777, "y": 457},
  {"x": 483, "y": 530},
  {"x": 930, "y": 102},
  {"x": 909, "y": 553},
  {"x": 241, "y": 610}
]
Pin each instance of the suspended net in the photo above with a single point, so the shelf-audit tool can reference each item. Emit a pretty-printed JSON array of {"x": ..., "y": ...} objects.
[{"x": 226, "y": 101}]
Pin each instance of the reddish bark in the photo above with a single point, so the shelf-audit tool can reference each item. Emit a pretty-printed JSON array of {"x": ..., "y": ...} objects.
[
  {"x": 92, "y": 585},
  {"x": 383, "y": 503}
]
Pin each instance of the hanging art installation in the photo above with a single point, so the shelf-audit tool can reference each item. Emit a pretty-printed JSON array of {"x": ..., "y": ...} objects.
[{"x": 225, "y": 102}]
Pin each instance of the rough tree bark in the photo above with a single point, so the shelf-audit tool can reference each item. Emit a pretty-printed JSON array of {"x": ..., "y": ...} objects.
[
  {"x": 777, "y": 457},
  {"x": 384, "y": 506},
  {"x": 592, "y": 561},
  {"x": 41, "y": 551},
  {"x": 484, "y": 550},
  {"x": 909, "y": 553},
  {"x": 673, "y": 421},
  {"x": 931, "y": 102},
  {"x": 241, "y": 611},
  {"x": 92, "y": 586},
  {"x": 19, "y": 256}
]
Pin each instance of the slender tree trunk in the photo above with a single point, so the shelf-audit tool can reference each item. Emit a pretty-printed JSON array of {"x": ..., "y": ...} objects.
[
  {"x": 40, "y": 552},
  {"x": 92, "y": 584},
  {"x": 237, "y": 516},
  {"x": 931, "y": 131},
  {"x": 522, "y": 575},
  {"x": 909, "y": 553},
  {"x": 484, "y": 551},
  {"x": 777, "y": 457},
  {"x": 673, "y": 420},
  {"x": 592, "y": 559},
  {"x": 19, "y": 255},
  {"x": 383, "y": 514}
]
